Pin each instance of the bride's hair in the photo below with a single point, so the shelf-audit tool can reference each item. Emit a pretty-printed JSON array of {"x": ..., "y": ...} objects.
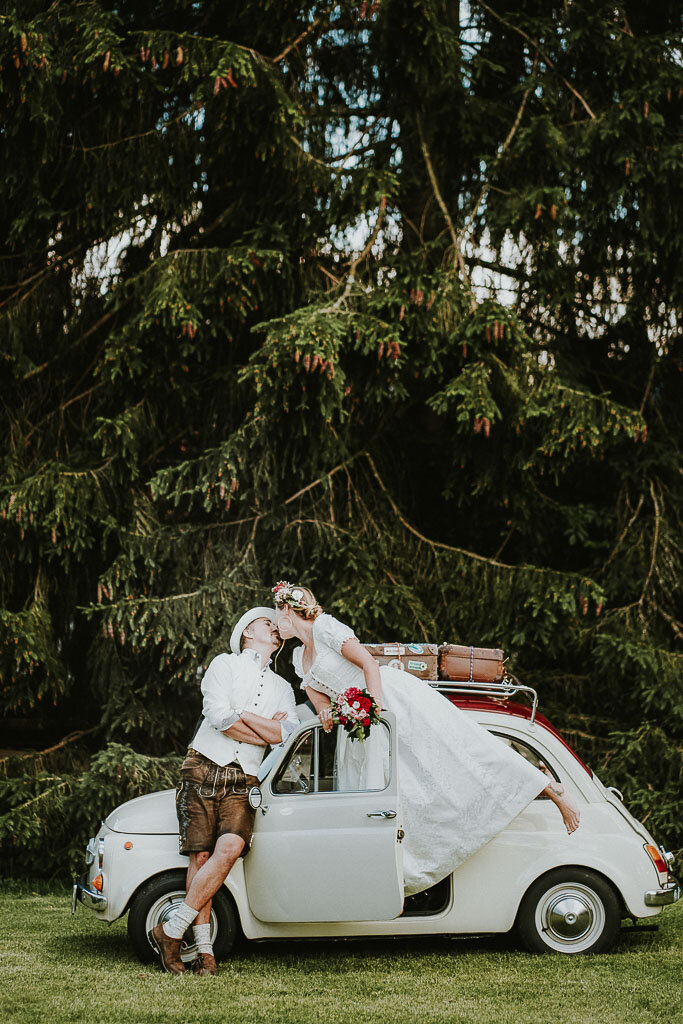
[{"x": 300, "y": 599}]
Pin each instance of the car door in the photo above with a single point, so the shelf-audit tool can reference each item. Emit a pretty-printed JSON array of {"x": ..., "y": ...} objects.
[{"x": 327, "y": 839}]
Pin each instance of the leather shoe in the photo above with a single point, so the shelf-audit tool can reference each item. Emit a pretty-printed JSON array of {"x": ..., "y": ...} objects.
[
  {"x": 168, "y": 950},
  {"x": 204, "y": 965}
]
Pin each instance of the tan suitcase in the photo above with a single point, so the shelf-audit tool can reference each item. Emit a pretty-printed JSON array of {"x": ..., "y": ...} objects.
[
  {"x": 458, "y": 663},
  {"x": 421, "y": 660}
]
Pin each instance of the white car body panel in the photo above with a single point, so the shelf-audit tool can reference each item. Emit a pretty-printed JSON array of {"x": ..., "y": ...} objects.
[
  {"x": 306, "y": 844},
  {"x": 486, "y": 890}
]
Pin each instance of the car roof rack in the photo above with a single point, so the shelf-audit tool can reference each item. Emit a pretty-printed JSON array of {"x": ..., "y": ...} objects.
[{"x": 507, "y": 688}]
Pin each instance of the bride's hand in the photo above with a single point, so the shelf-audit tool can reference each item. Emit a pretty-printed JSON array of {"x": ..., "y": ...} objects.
[{"x": 325, "y": 716}]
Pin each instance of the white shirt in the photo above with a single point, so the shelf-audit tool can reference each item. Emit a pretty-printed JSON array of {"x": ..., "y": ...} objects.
[{"x": 234, "y": 683}]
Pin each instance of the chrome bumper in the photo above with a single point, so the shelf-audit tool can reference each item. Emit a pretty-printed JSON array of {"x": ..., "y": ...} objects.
[
  {"x": 82, "y": 893},
  {"x": 669, "y": 893}
]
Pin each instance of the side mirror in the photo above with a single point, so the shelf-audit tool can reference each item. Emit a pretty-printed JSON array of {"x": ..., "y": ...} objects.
[{"x": 255, "y": 797}]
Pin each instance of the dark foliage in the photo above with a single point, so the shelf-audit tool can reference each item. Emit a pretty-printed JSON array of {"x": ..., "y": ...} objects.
[{"x": 384, "y": 297}]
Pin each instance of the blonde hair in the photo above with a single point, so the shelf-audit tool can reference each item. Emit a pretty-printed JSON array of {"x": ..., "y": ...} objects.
[
  {"x": 310, "y": 609},
  {"x": 300, "y": 599}
]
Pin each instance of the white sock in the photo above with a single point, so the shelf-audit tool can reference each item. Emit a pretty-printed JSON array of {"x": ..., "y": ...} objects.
[
  {"x": 202, "y": 936},
  {"x": 179, "y": 921}
]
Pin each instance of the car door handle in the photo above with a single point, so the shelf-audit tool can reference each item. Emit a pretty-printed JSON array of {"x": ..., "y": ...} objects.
[{"x": 381, "y": 814}]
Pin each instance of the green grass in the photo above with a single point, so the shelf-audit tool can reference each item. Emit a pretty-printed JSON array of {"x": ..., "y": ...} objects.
[{"x": 58, "y": 968}]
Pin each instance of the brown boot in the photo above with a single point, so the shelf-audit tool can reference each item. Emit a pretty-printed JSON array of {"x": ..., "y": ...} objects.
[
  {"x": 204, "y": 965},
  {"x": 168, "y": 950}
]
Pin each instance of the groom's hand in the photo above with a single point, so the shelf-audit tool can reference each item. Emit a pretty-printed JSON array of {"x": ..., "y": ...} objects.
[{"x": 279, "y": 716}]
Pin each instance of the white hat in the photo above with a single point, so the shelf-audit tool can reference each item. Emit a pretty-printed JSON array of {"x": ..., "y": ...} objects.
[{"x": 246, "y": 620}]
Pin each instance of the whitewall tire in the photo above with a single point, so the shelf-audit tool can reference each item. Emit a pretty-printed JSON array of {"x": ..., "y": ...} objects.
[
  {"x": 569, "y": 910},
  {"x": 154, "y": 903}
]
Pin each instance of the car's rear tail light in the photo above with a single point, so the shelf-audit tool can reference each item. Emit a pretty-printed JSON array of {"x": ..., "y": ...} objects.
[
  {"x": 660, "y": 864},
  {"x": 97, "y": 883}
]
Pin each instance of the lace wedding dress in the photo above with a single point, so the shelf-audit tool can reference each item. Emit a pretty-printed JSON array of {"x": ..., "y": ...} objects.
[{"x": 459, "y": 785}]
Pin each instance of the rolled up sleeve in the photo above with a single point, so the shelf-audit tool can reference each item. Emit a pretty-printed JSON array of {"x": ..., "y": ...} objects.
[
  {"x": 217, "y": 690},
  {"x": 288, "y": 704}
]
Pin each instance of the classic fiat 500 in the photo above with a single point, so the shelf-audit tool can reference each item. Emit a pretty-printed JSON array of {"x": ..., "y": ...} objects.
[{"x": 563, "y": 894}]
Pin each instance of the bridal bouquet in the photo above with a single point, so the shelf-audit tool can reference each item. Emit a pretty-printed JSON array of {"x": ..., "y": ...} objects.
[{"x": 356, "y": 711}]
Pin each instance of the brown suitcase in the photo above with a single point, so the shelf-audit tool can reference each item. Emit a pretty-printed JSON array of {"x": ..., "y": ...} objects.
[
  {"x": 421, "y": 660},
  {"x": 458, "y": 663}
]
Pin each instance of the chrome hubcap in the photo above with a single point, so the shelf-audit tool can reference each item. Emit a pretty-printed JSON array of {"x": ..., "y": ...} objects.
[
  {"x": 570, "y": 917},
  {"x": 162, "y": 909}
]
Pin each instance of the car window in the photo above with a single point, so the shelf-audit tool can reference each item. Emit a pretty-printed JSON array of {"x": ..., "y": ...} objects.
[
  {"x": 530, "y": 754},
  {"x": 321, "y": 762}
]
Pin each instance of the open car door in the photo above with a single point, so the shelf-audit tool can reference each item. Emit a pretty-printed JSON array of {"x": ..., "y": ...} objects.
[{"x": 327, "y": 839}]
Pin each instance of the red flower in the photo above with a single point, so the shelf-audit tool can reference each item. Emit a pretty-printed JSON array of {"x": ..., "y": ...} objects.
[
  {"x": 366, "y": 721},
  {"x": 343, "y": 719}
]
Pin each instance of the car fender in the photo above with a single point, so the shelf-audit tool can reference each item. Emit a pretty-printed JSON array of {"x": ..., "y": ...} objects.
[
  {"x": 130, "y": 860},
  {"x": 487, "y": 899},
  {"x": 126, "y": 870}
]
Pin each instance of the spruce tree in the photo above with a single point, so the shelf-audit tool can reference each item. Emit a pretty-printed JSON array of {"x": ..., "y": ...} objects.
[{"x": 382, "y": 297}]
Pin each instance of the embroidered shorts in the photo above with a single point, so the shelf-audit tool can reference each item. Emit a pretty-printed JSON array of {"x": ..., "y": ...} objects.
[{"x": 212, "y": 801}]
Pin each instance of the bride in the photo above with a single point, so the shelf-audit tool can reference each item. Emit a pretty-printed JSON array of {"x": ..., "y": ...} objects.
[{"x": 459, "y": 784}]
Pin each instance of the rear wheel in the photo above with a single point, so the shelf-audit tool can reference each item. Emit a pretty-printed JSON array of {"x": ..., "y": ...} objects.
[
  {"x": 154, "y": 903},
  {"x": 569, "y": 910}
]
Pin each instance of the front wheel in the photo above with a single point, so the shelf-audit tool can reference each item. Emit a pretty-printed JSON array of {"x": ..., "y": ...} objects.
[
  {"x": 155, "y": 901},
  {"x": 569, "y": 910}
]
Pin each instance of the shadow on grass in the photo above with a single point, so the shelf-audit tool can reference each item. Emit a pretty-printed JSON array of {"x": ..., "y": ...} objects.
[
  {"x": 337, "y": 954},
  {"x": 93, "y": 945},
  {"x": 363, "y": 948},
  {"x": 115, "y": 945}
]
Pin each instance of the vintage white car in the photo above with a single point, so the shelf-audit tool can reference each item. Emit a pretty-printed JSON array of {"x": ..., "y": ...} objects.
[{"x": 327, "y": 863}]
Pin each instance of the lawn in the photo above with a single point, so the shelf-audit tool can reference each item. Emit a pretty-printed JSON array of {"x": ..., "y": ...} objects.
[{"x": 59, "y": 968}]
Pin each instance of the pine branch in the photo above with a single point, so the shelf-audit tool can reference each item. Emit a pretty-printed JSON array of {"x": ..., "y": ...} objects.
[
  {"x": 655, "y": 541},
  {"x": 77, "y": 341},
  {"x": 624, "y": 532},
  {"x": 469, "y": 224},
  {"x": 36, "y": 755},
  {"x": 457, "y": 252},
  {"x": 545, "y": 57},
  {"x": 327, "y": 476},
  {"x": 38, "y": 799},
  {"x": 351, "y": 276},
  {"x": 439, "y": 545},
  {"x": 320, "y": 21}
]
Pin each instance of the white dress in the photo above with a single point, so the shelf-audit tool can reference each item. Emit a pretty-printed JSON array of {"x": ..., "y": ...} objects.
[{"x": 459, "y": 785}]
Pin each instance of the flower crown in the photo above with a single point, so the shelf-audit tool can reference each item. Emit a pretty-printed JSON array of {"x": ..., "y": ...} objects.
[{"x": 286, "y": 593}]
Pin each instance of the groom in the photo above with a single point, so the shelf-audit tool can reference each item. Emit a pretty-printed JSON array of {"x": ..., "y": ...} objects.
[{"x": 246, "y": 708}]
